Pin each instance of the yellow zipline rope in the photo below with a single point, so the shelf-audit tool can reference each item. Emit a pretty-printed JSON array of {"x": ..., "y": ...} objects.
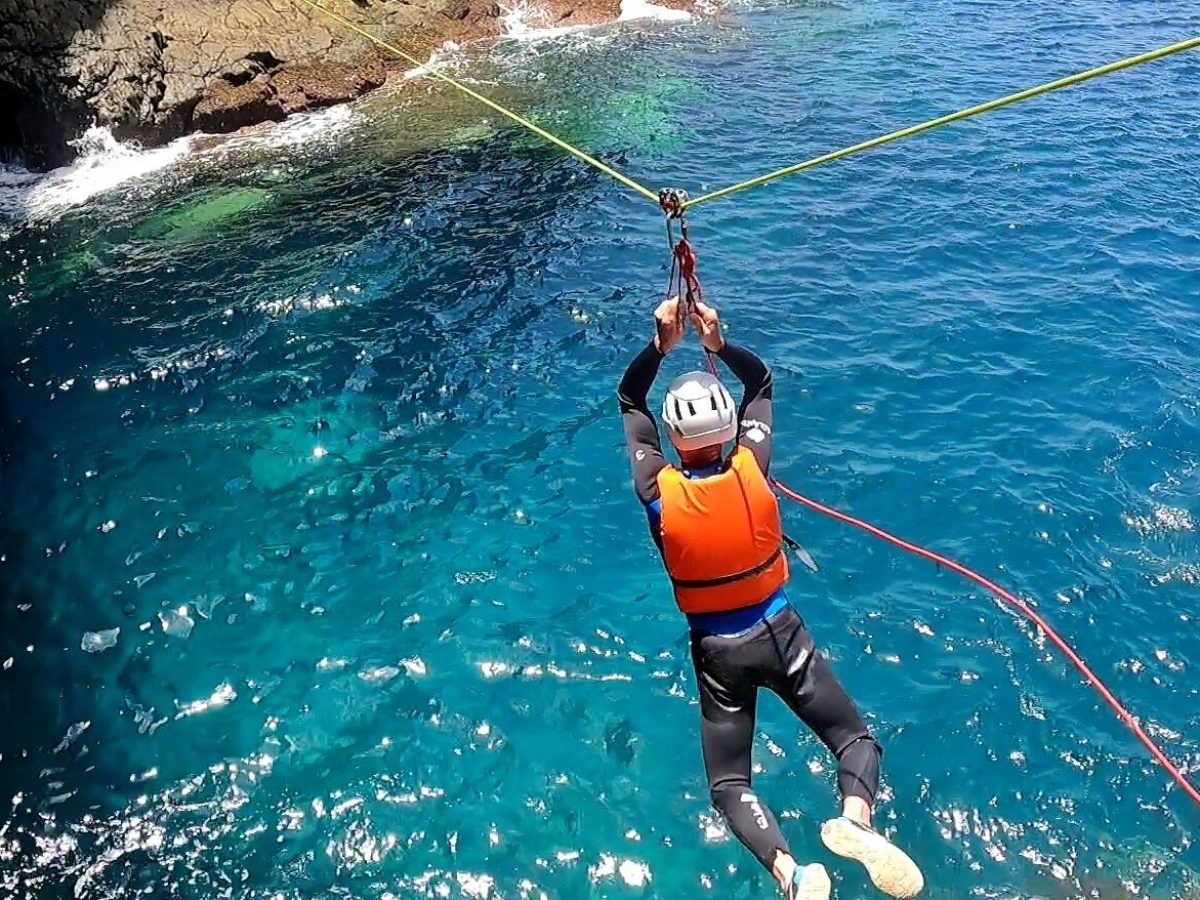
[
  {"x": 487, "y": 101},
  {"x": 981, "y": 108},
  {"x": 1046, "y": 88}
]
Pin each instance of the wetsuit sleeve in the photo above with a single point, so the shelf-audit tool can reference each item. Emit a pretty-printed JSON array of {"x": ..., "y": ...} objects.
[
  {"x": 641, "y": 431},
  {"x": 754, "y": 415}
]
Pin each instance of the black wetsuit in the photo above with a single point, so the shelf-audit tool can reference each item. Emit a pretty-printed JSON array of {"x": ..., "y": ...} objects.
[{"x": 765, "y": 645}]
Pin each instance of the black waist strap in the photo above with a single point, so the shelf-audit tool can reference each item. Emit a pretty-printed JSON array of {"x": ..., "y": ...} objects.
[{"x": 729, "y": 579}]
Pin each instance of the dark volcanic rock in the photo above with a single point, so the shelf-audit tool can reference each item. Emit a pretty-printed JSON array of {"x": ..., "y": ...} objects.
[
  {"x": 226, "y": 106},
  {"x": 323, "y": 84},
  {"x": 155, "y": 69}
]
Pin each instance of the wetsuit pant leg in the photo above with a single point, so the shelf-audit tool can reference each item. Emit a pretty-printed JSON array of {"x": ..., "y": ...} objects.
[
  {"x": 725, "y": 676},
  {"x": 803, "y": 679}
]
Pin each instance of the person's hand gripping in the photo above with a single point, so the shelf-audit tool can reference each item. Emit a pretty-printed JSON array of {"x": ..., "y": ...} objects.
[
  {"x": 708, "y": 326},
  {"x": 668, "y": 325}
]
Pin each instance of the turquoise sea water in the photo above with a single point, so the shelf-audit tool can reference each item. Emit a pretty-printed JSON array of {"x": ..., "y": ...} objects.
[{"x": 328, "y": 430}]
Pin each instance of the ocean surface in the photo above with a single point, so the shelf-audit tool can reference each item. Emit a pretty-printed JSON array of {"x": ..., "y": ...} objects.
[{"x": 322, "y": 571}]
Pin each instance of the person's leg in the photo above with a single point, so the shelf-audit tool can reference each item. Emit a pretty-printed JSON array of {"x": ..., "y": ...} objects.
[
  {"x": 858, "y": 778},
  {"x": 728, "y": 699},
  {"x": 825, "y": 707},
  {"x": 804, "y": 680}
]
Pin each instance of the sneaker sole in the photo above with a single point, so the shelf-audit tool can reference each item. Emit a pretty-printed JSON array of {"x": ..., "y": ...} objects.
[
  {"x": 814, "y": 883},
  {"x": 890, "y": 868}
]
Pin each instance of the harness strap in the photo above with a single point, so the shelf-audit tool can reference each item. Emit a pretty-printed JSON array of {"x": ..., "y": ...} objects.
[{"x": 730, "y": 579}]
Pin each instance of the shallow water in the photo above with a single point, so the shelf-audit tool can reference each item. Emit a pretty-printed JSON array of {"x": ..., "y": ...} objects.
[{"x": 326, "y": 427}]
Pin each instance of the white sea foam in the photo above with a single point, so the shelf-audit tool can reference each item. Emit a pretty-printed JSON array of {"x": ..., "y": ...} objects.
[
  {"x": 301, "y": 129},
  {"x": 515, "y": 19},
  {"x": 524, "y": 20},
  {"x": 103, "y": 164},
  {"x": 446, "y": 55},
  {"x": 640, "y": 9}
]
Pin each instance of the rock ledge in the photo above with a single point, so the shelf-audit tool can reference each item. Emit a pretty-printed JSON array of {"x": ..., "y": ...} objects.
[{"x": 153, "y": 70}]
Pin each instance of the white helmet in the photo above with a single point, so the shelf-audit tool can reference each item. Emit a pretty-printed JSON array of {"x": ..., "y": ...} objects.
[{"x": 699, "y": 412}]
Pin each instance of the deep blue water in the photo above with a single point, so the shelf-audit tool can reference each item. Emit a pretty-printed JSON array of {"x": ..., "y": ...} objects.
[{"x": 345, "y": 410}]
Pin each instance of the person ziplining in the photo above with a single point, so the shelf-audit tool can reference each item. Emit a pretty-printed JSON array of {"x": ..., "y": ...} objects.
[
  {"x": 745, "y": 635},
  {"x": 716, "y": 522}
]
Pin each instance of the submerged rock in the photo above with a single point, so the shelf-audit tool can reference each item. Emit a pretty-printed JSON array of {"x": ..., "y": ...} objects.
[{"x": 185, "y": 222}]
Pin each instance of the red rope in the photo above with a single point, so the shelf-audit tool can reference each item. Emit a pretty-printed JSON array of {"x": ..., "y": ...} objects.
[
  {"x": 1024, "y": 608},
  {"x": 683, "y": 262},
  {"x": 686, "y": 258},
  {"x": 1122, "y": 713}
]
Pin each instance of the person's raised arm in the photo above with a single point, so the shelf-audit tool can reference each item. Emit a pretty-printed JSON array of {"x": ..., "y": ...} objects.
[{"x": 641, "y": 431}]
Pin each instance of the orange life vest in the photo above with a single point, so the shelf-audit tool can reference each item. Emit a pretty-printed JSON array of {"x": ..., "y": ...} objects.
[{"x": 722, "y": 538}]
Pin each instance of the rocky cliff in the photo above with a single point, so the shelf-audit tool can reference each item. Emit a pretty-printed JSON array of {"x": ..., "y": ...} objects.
[{"x": 155, "y": 69}]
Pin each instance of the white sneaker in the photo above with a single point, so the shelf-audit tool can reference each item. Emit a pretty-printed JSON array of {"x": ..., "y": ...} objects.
[
  {"x": 890, "y": 868},
  {"x": 809, "y": 882}
]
